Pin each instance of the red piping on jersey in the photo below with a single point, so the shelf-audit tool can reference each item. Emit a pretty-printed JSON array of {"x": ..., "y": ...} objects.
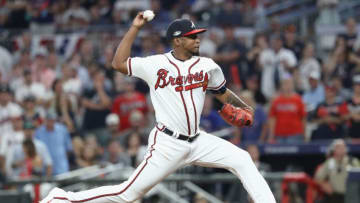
[
  {"x": 160, "y": 129},
  {"x": 182, "y": 97},
  {"x": 117, "y": 193},
  {"x": 218, "y": 87},
  {"x": 192, "y": 99},
  {"x": 129, "y": 65}
]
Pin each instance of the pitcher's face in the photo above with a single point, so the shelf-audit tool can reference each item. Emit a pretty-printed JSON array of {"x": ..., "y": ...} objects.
[{"x": 191, "y": 43}]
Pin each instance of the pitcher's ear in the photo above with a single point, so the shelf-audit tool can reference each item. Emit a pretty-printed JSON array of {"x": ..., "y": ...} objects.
[{"x": 176, "y": 41}]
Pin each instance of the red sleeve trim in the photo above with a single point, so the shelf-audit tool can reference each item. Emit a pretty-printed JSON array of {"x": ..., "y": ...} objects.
[{"x": 129, "y": 67}]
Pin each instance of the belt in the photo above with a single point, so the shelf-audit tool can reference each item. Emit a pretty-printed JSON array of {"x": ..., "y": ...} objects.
[{"x": 181, "y": 136}]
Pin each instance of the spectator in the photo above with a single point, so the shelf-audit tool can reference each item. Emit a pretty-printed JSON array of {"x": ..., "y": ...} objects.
[
  {"x": 329, "y": 116},
  {"x": 112, "y": 131},
  {"x": 308, "y": 65},
  {"x": 30, "y": 87},
  {"x": 127, "y": 102},
  {"x": 23, "y": 43},
  {"x": 342, "y": 94},
  {"x": 210, "y": 119},
  {"x": 351, "y": 33},
  {"x": 6, "y": 61},
  {"x": 16, "y": 77},
  {"x": 287, "y": 116},
  {"x": 337, "y": 63},
  {"x": 75, "y": 17},
  {"x": 87, "y": 157},
  {"x": 115, "y": 154},
  {"x": 87, "y": 52},
  {"x": 90, "y": 141},
  {"x": 78, "y": 145},
  {"x": 208, "y": 44},
  {"x": 275, "y": 63},
  {"x": 354, "y": 111},
  {"x": 229, "y": 55},
  {"x": 14, "y": 136},
  {"x": 252, "y": 84},
  {"x": 33, "y": 164},
  {"x": 292, "y": 42},
  {"x": 71, "y": 86},
  {"x": 118, "y": 15},
  {"x": 105, "y": 8},
  {"x": 6, "y": 107},
  {"x": 97, "y": 103},
  {"x": 137, "y": 124},
  {"x": 332, "y": 174},
  {"x": 41, "y": 17},
  {"x": 105, "y": 62},
  {"x": 15, "y": 161},
  {"x": 53, "y": 63},
  {"x": 67, "y": 74},
  {"x": 257, "y": 131},
  {"x": 95, "y": 16},
  {"x": 41, "y": 72},
  {"x": 135, "y": 148},
  {"x": 253, "y": 55},
  {"x": 31, "y": 112},
  {"x": 57, "y": 139},
  {"x": 63, "y": 106},
  {"x": 58, "y": 9},
  {"x": 315, "y": 94}
]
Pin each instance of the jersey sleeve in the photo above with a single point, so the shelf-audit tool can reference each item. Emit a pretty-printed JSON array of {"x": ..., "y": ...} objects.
[
  {"x": 217, "y": 78},
  {"x": 140, "y": 67}
]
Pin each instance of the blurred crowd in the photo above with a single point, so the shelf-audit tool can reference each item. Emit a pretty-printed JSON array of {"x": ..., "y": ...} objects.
[{"x": 63, "y": 109}]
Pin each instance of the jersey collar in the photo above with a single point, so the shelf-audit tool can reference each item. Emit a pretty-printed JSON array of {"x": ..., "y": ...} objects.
[{"x": 172, "y": 57}]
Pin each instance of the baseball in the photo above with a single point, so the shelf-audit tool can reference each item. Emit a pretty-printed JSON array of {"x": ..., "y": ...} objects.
[{"x": 148, "y": 15}]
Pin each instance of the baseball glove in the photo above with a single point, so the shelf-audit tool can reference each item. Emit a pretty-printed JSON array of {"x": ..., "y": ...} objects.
[{"x": 236, "y": 116}]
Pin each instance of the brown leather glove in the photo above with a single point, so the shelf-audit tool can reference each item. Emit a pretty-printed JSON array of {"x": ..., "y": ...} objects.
[{"x": 236, "y": 116}]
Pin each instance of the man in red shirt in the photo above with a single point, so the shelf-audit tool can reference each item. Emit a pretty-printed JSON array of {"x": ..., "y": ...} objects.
[
  {"x": 287, "y": 115},
  {"x": 127, "y": 102}
]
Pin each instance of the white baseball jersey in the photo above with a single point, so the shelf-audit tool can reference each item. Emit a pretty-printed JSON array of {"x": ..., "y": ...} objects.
[{"x": 177, "y": 88}]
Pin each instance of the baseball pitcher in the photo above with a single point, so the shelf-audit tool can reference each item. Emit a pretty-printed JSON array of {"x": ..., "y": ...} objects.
[{"x": 178, "y": 81}]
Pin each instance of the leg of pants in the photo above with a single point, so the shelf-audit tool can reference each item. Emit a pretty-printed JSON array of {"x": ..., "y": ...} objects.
[
  {"x": 211, "y": 151},
  {"x": 163, "y": 158}
]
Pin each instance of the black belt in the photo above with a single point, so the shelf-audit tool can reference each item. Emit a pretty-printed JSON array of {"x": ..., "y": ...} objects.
[{"x": 181, "y": 136}]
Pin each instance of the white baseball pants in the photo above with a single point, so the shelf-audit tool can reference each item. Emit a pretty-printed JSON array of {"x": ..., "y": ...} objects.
[{"x": 165, "y": 155}]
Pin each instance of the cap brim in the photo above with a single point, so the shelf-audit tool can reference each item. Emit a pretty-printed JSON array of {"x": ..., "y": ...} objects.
[{"x": 196, "y": 31}]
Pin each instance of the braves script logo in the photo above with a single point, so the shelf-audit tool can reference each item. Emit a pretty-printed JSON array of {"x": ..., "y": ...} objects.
[{"x": 183, "y": 83}]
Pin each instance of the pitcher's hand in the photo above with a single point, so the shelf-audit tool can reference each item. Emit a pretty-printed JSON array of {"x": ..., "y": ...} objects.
[{"x": 139, "y": 21}]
